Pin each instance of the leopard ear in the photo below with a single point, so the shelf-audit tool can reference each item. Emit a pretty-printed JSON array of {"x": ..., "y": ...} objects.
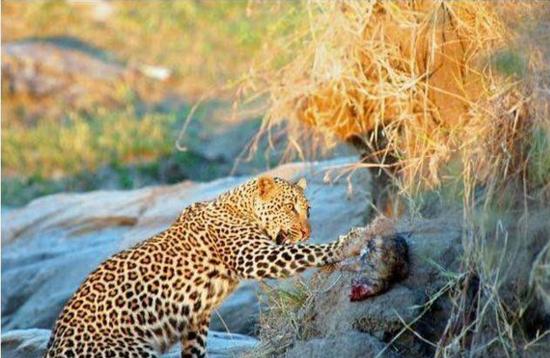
[
  {"x": 265, "y": 186},
  {"x": 302, "y": 183}
]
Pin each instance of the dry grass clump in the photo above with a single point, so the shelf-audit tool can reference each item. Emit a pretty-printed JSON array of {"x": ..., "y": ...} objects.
[
  {"x": 499, "y": 307},
  {"x": 449, "y": 96},
  {"x": 411, "y": 81},
  {"x": 288, "y": 318}
]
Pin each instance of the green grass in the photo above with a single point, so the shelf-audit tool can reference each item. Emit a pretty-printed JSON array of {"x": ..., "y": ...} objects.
[
  {"x": 205, "y": 45},
  {"x": 122, "y": 149},
  {"x": 510, "y": 63},
  {"x": 169, "y": 169},
  {"x": 85, "y": 142}
]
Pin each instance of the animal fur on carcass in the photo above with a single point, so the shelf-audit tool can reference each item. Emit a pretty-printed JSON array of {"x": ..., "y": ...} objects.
[{"x": 383, "y": 261}]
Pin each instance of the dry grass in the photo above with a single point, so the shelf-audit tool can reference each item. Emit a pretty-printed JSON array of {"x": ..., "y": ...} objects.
[
  {"x": 412, "y": 81},
  {"x": 498, "y": 307},
  {"x": 286, "y": 320},
  {"x": 290, "y": 313},
  {"x": 444, "y": 96}
]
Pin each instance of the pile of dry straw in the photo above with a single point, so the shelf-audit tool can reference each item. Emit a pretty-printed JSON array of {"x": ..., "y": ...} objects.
[{"x": 416, "y": 77}]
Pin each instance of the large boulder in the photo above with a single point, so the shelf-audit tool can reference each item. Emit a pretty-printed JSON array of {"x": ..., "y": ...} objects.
[
  {"x": 352, "y": 344},
  {"x": 433, "y": 245},
  {"x": 50, "y": 75},
  {"x": 25, "y": 343},
  {"x": 330, "y": 325},
  {"x": 31, "y": 343},
  {"x": 50, "y": 245}
]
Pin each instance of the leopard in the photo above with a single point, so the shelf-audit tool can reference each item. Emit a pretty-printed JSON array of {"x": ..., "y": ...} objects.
[{"x": 162, "y": 292}]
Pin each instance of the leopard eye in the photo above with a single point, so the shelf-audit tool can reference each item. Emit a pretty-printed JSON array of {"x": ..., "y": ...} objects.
[{"x": 290, "y": 206}]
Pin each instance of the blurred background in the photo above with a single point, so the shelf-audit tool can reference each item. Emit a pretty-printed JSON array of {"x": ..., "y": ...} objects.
[
  {"x": 108, "y": 94},
  {"x": 95, "y": 93}
]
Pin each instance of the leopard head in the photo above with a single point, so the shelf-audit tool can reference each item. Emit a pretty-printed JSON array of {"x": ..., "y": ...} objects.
[{"x": 283, "y": 209}]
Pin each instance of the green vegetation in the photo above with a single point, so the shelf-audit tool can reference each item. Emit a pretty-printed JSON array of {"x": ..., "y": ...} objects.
[
  {"x": 205, "y": 45},
  {"x": 510, "y": 63},
  {"x": 123, "y": 149},
  {"x": 169, "y": 169},
  {"x": 85, "y": 142}
]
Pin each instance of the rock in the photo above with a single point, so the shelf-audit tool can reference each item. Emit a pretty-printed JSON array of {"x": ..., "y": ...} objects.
[
  {"x": 223, "y": 345},
  {"x": 434, "y": 244},
  {"x": 50, "y": 245},
  {"x": 75, "y": 214},
  {"x": 63, "y": 72},
  {"x": 336, "y": 314},
  {"x": 99, "y": 10},
  {"x": 352, "y": 344},
  {"x": 219, "y": 136},
  {"x": 37, "y": 291},
  {"x": 239, "y": 312},
  {"x": 31, "y": 343}
]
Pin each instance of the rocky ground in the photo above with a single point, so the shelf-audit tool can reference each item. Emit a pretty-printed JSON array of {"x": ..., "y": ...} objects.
[
  {"x": 69, "y": 72},
  {"x": 32, "y": 343},
  {"x": 50, "y": 245},
  {"x": 338, "y": 327}
]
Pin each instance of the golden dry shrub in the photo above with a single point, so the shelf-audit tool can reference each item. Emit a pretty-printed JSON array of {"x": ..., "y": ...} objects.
[{"x": 414, "y": 76}]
